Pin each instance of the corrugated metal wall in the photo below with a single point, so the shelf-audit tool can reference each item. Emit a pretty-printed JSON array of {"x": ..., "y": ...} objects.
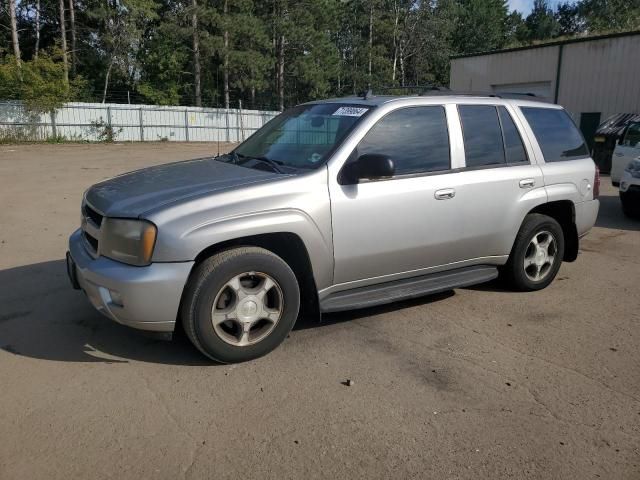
[
  {"x": 600, "y": 75},
  {"x": 482, "y": 73},
  {"x": 86, "y": 121}
]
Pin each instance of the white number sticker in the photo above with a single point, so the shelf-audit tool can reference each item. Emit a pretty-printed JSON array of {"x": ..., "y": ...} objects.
[{"x": 350, "y": 111}]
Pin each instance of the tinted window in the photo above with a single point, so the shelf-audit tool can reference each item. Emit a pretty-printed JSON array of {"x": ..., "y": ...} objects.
[
  {"x": 482, "y": 135},
  {"x": 513, "y": 145},
  {"x": 556, "y": 133},
  {"x": 415, "y": 138},
  {"x": 632, "y": 138}
]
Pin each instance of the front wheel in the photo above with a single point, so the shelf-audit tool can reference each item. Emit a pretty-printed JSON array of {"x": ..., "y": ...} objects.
[
  {"x": 240, "y": 304},
  {"x": 537, "y": 253}
]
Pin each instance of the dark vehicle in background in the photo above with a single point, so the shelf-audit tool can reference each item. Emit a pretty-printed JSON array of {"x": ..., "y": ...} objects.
[{"x": 608, "y": 135}]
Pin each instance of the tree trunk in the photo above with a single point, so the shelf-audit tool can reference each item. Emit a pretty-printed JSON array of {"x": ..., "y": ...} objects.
[
  {"x": 196, "y": 55},
  {"x": 37, "y": 46},
  {"x": 395, "y": 41},
  {"x": 226, "y": 56},
  {"x": 253, "y": 97},
  {"x": 106, "y": 82},
  {"x": 370, "y": 43},
  {"x": 14, "y": 32},
  {"x": 63, "y": 36},
  {"x": 402, "y": 78},
  {"x": 281, "y": 73},
  {"x": 72, "y": 21}
]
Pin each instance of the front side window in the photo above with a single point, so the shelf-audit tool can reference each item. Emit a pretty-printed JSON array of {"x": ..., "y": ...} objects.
[
  {"x": 415, "y": 138},
  {"x": 302, "y": 137},
  {"x": 557, "y": 135},
  {"x": 483, "y": 144},
  {"x": 632, "y": 137}
]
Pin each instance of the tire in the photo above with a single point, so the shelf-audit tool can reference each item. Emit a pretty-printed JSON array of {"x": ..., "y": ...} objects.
[
  {"x": 256, "y": 298},
  {"x": 628, "y": 208},
  {"x": 543, "y": 270}
]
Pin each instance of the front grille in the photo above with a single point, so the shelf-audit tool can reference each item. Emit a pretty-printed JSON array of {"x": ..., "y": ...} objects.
[
  {"x": 91, "y": 221},
  {"x": 93, "y": 242},
  {"x": 93, "y": 215}
]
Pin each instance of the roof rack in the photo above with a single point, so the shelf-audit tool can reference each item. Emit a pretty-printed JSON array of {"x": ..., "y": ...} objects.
[
  {"x": 422, "y": 89},
  {"x": 435, "y": 90}
]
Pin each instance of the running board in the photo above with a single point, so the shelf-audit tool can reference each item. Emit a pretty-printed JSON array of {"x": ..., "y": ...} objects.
[{"x": 388, "y": 292}]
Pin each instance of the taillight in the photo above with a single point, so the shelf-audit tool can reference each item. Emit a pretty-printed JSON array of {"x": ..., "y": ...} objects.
[{"x": 596, "y": 184}]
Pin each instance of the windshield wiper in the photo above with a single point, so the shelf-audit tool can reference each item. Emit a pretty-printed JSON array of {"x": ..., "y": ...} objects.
[{"x": 274, "y": 164}]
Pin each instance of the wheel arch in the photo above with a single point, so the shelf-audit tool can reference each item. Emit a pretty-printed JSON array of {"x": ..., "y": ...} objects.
[
  {"x": 288, "y": 246},
  {"x": 564, "y": 212}
]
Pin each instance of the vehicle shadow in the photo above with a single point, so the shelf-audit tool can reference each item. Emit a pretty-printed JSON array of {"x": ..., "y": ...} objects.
[
  {"x": 347, "y": 316},
  {"x": 611, "y": 216},
  {"x": 42, "y": 317}
]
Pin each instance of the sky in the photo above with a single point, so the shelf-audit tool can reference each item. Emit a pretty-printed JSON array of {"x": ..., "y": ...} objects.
[{"x": 524, "y": 6}]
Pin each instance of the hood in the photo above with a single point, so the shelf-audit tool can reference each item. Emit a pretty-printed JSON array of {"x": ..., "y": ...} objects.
[{"x": 138, "y": 192}]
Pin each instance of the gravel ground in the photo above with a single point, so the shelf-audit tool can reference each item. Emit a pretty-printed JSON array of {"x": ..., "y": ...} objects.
[{"x": 474, "y": 383}]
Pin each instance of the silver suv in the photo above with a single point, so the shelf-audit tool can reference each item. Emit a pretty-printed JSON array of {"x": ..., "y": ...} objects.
[{"x": 337, "y": 205}]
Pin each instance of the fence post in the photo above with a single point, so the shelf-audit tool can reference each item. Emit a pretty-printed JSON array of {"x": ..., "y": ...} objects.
[
  {"x": 54, "y": 130},
  {"x": 240, "y": 117},
  {"x": 141, "y": 125},
  {"x": 109, "y": 118},
  {"x": 226, "y": 120},
  {"x": 186, "y": 124}
]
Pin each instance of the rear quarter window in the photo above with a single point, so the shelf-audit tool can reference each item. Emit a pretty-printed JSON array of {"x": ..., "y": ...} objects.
[{"x": 557, "y": 135}]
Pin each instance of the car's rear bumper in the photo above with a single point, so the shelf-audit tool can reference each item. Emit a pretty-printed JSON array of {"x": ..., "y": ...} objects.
[
  {"x": 149, "y": 296},
  {"x": 586, "y": 216}
]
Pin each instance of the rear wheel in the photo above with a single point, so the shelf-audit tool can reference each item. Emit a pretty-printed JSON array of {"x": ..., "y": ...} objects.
[
  {"x": 240, "y": 304},
  {"x": 537, "y": 253},
  {"x": 628, "y": 207}
]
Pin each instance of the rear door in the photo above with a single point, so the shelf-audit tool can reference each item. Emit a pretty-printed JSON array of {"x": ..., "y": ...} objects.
[
  {"x": 499, "y": 183},
  {"x": 568, "y": 170}
]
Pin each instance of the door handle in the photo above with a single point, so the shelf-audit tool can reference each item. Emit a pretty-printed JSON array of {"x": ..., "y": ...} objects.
[
  {"x": 445, "y": 194},
  {"x": 527, "y": 183}
]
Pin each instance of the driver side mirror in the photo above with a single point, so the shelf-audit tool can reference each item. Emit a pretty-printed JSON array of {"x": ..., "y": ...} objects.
[{"x": 370, "y": 166}]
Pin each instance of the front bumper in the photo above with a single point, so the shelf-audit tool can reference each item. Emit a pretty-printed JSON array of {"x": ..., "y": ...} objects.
[
  {"x": 147, "y": 298},
  {"x": 629, "y": 184}
]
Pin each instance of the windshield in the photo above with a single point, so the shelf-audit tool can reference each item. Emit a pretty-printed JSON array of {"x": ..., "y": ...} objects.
[{"x": 302, "y": 137}]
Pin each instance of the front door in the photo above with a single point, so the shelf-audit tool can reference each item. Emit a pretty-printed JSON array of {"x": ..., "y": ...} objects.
[{"x": 398, "y": 226}]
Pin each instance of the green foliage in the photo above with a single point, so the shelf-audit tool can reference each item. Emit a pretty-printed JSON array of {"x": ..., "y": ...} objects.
[
  {"x": 610, "y": 15},
  {"x": 541, "y": 23},
  {"x": 103, "y": 131},
  {"x": 481, "y": 25},
  {"x": 143, "y": 50},
  {"x": 38, "y": 83}
]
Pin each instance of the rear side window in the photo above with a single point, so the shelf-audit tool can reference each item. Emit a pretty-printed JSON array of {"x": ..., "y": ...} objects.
[
  {"x": 556, "y": 133},
  {"x": 513, "y": 146},
  {"x": 482, "y": 135},
  {"x": 415, "y": 138}
]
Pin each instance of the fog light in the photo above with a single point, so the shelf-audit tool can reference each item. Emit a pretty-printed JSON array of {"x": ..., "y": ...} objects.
[{"x": 116, "y": 298}]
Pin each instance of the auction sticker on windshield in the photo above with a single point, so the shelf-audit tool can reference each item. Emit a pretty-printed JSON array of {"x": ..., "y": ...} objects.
[{"x": 350, "y": 111}]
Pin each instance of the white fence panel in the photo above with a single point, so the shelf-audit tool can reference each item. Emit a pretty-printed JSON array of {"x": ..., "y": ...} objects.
[{"x": 91, "y": 121}]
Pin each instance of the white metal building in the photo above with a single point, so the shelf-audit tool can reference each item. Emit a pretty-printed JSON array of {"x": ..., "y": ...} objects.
[{"x": 592, "y": 77}]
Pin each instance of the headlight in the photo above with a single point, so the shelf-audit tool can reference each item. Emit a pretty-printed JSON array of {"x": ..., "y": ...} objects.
[
  {"x": 128, "y": 241},
  {"x": 634, "y": 168}
]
